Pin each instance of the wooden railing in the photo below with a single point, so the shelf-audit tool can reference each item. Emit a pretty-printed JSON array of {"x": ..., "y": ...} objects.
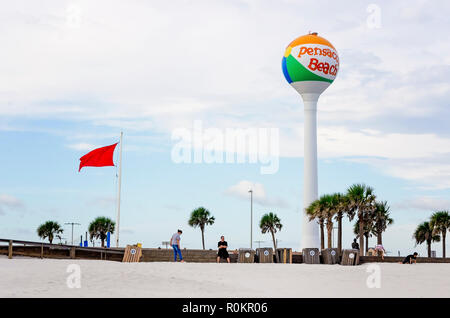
[{"x": 103, "y": 251}]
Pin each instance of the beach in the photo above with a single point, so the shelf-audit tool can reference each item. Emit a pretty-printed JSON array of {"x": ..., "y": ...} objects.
[{"x": 29, "y": 277}]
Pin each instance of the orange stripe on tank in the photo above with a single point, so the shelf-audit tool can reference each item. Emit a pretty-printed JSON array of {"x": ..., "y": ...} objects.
[{"x": 310, "y": 39}]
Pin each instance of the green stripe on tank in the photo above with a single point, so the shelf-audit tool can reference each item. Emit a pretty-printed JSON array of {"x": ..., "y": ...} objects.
[{"x": 299, "y": 73}]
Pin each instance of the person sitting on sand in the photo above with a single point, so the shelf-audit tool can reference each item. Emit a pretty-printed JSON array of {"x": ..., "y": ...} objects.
[
  {"x": 175, "y": 242},
  {"x": 222, "y": 253},
  {"x": 410, "y": 259},
  {"x": 355, "y": 245},
  {"x": 380, "y": 250}
]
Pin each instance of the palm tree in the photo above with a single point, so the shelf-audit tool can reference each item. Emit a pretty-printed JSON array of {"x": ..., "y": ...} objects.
[
  {"x": 340, "y": 202},
  {"x": 99, "y": 227},
  {"x": 367, "y": 232},
  {"x": 361, "y": 200},
  {"x": 328, "y": 213},
  {"x": 271, "y": 223},
  {"x": 424, "y": 233},
  {"x": 316, "y": 211},
  {"x": 201, "y": 217},
  {"x": 49, "y": 230},
  {"x": 381, "y": 220},
  {"x": 440, "y": 221}
]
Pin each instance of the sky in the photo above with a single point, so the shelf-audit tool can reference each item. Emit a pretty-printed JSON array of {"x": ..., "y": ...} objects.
[{"x": 74, "y": 74}]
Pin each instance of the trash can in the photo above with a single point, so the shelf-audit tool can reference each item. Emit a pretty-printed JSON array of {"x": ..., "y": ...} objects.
[
  {"x": 330, "y": 256},
  {"x": 264, "y": 255},
  {"x": 311, "y": 256},
  {"x": 350, "y": 257},
  {"x": 246, "y": 255},
  {"x": 284, "y": 255}
]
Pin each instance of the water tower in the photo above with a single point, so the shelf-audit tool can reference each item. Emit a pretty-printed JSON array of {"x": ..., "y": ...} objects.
[{"x": 310, "y": 65}]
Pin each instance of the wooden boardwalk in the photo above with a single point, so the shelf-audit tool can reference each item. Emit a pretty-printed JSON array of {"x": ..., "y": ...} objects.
[{"x": 12, "y": 248}]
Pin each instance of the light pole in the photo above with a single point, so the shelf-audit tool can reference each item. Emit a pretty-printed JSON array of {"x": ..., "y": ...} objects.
[
  {"x": 72, "y": 223},
  {"x": 251, "y": 218},
  {"x": 259, "y": 243}
]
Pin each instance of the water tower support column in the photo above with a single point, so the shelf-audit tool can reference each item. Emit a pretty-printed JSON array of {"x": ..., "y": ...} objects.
[{"x": 310, "y": 230}]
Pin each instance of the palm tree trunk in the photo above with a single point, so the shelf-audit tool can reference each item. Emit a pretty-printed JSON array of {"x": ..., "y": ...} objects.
[
  {"x": 379, "y": 237},
  {"x": 203, "y": 238},
  {"x": 274, "y": 246},
  {"x": 444, "y": 233},
  {"x": 322, "y": 236},
  {"x": 429, "y": 248},
  {"x": 367, "y": 242},
  {"x": 339, "y": 234},
  {"x": 361, "y": 234},
  {"x": 329, "y": 234}
]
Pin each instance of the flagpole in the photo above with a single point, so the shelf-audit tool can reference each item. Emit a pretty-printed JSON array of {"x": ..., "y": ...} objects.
[{"x": 118, "y": 190}]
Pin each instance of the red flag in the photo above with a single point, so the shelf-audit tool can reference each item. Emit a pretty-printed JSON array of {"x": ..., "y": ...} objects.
[{"x": 100, "y": 157}]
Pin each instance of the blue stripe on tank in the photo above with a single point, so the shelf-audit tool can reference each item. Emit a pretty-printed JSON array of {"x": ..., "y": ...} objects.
[{"x": 285, "y": 71}]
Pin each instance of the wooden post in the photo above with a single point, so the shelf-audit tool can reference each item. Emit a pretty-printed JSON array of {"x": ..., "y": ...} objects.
[
  {"x": 246, "y": 256},
  {"x": 265, "y": 255},
  {"x": 72, "y": 252},
  {"x": 42, "y": 250},
  {"x": 311, "y": 256},
  {"x": 284, "y": 256},
  {"x": 330, "y": 256},
  {"x": 350, "y": 257},
  {"x": 10, "y": 249}
]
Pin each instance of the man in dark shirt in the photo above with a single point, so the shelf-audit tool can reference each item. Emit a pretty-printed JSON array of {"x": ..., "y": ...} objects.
[
  {"x": 222, "y": 253},
  {"x": 355, "y": 245},
  {"x": 410, "y": 259}
]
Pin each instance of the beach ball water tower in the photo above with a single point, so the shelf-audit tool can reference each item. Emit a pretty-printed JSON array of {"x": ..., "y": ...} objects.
[{"x": 310, "y": 64}]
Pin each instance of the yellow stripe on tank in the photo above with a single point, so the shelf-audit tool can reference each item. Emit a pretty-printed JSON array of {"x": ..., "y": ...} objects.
[{"x": 288, "y": 51}]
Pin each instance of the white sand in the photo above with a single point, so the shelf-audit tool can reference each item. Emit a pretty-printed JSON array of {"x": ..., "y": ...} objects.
[{"x": 27, "y": 277}]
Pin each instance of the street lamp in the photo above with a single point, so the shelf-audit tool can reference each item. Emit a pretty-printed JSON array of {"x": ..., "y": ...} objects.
[
  {"x": 72, "y": 223},
  {"x": 251, "y": 218}
]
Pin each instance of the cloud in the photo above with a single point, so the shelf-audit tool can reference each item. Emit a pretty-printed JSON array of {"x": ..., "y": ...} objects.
[
  {"x": 103, "y": 202},
  {"x": 82, "y": 146},
  {"x": 430, "y": 173},
  {"x": 147, "y": 68},
  {"x": 9, "y": 202},
  {"x": 424, "y": 204},
  {"x": 240, "y": 191}
]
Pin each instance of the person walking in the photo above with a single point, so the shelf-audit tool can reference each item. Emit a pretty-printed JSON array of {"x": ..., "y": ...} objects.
[
  {"x": 175, "y": 242},
  {"x": 222, "y": 252}
]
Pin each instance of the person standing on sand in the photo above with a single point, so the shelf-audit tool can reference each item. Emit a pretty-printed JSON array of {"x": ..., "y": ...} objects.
[
  {"x": 175, "y": 242},
  {"x": 355, "y": 245},
  {"x": 222, "y": 253},
  {"x": 410, "y": 259}
]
